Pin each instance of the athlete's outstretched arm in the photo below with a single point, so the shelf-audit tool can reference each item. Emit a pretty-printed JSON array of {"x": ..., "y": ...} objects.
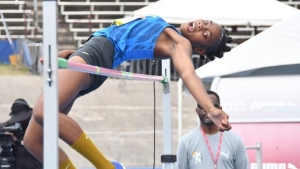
[{"x": 180, "y": 52}]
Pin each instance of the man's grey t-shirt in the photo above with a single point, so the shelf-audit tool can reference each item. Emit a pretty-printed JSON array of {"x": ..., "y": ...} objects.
[{"x": 193, "y": 153}]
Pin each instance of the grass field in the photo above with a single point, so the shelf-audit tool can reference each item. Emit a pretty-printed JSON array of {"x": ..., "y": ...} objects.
[{"x": 13, "y": 70}]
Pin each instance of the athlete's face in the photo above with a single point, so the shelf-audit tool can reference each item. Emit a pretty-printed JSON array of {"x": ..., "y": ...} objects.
[
  {"x": 201, "y": 33},
  {"x": 203, "y": 114}
]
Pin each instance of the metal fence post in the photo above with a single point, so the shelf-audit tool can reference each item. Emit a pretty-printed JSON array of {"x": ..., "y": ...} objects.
[{"x": 259, "y": 156}]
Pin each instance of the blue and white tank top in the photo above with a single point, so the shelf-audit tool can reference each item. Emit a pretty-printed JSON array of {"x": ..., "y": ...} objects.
[{"x": 134, "y": 38}]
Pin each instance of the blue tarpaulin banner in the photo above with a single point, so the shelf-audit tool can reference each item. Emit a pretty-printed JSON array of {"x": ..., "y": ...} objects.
[{"x": 5, "y": 51}]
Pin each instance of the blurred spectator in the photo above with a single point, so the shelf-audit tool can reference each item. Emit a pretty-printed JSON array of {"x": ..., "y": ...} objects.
[
  {"x": 208, "y": 148},
  {"x": 16, "y": 126}
]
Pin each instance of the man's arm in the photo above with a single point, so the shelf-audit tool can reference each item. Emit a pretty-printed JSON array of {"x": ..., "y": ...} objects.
[
  {"x": 180, "y": 51},
  {"x": 242, "y": 160},
  {"x": 182, "y": 157}
]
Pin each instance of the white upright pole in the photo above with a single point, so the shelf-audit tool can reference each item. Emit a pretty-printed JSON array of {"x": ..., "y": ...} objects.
[
  {"x": 180, "y": 96},
  {"x": 168, "y": 160},
  {"x": 50, "y": 84}
]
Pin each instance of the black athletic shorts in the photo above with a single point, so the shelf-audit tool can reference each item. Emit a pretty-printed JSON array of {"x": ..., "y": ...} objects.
[{"x": 97, "y": 51}]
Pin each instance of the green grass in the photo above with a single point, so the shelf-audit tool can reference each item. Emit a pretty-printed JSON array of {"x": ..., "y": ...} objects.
[{"x": 13, "y": 70}]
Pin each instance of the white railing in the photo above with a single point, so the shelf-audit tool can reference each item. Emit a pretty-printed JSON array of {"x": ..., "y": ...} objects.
[
  {"x": 30, "y": 36},
  {"x": 13, "y": 11},
  {"x": 258, "y": 149},
  {"x": 26, "y": 30},
  {"x": 116, "y": 3},
  {"x": 14, "y": 2},
  {"x": 97, "y": 15},
  {"x": 94, "y": 12},
  {"x": 18, "y": 20}
]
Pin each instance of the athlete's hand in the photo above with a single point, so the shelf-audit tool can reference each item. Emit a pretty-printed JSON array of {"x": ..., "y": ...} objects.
[
  {"x": 220, "y": 118},
  {"x": 42, "y": 60},
  {"x": 62, "y": 54}
]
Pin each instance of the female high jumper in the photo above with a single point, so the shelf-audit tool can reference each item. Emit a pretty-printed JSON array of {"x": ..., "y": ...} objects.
[{"x": 147, "y": 37}]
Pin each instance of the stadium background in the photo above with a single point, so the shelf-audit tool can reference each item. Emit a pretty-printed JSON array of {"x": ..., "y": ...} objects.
[{"x": 76, "y": 20}]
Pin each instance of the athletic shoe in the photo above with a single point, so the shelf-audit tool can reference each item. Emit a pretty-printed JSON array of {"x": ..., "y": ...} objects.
[{"x": 118, "y": 165}]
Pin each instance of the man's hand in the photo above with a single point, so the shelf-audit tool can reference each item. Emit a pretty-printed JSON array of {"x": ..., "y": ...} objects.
[{"x": 220, "y": 119}]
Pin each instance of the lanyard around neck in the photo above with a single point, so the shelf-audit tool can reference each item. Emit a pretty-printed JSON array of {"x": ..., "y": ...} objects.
[{"x": 215, "y": 160}]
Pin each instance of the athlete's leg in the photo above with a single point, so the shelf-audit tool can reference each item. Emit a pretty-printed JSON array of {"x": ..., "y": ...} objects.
[
  {"x": 100, "y": 52},
  {"x": 69, "y": 131},
  {"x": 69, "y": 85},
  {"x": 37, "y": 139}
]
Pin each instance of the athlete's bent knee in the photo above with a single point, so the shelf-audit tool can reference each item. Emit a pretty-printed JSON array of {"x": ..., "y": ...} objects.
[{"x": 38, "y": 113}]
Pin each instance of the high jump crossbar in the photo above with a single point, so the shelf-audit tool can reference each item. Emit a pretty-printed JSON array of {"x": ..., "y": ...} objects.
[
  {"x": 64, "y": 64},
  {"x": 51, "y": 92}
]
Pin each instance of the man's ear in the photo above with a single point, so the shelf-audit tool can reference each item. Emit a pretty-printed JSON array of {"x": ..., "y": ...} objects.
[{"x": 199, "y": 51}]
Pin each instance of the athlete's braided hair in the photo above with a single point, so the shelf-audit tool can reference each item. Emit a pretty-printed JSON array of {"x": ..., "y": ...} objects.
[{"x": 218, "y": 49}]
